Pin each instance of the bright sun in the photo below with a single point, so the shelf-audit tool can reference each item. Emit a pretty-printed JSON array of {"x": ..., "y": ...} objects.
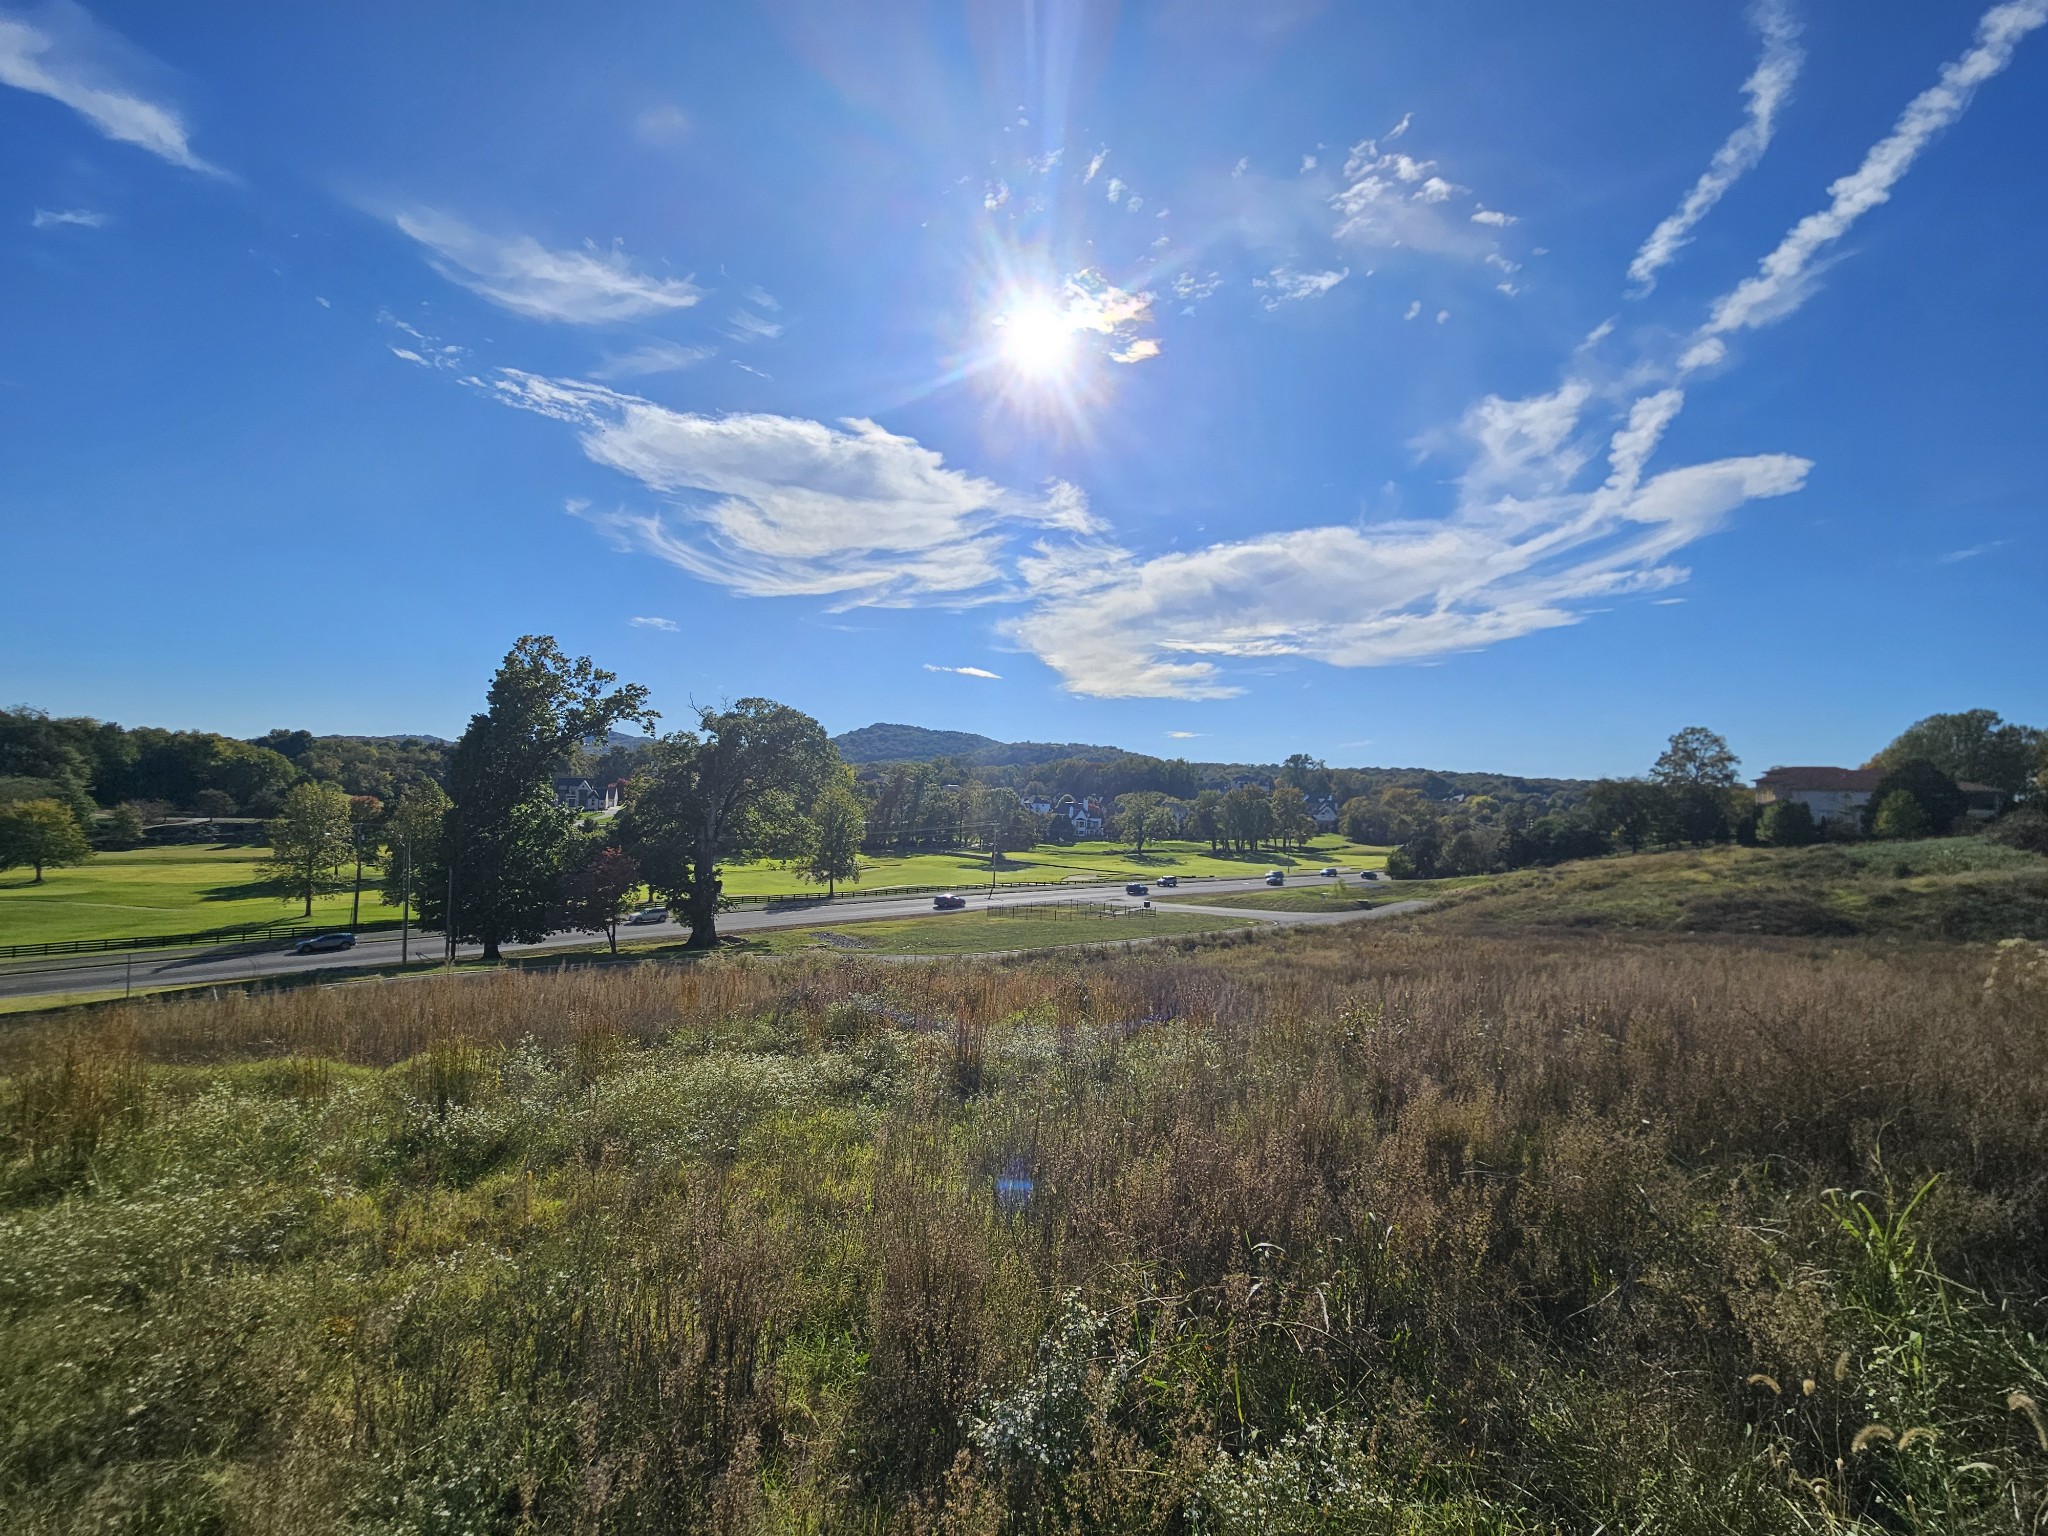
[{"x": 1037, "y": 339}]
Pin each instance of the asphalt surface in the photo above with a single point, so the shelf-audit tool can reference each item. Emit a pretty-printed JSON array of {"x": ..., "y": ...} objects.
[{"x": 177, "y": 968}]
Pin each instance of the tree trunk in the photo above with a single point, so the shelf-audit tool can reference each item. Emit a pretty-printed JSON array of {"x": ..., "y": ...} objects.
[
  {"x": 611, "y": 931},
  {"x": 309, "y": 898},
  {"x": 355, "y": 906},
  {"x": 39, "y": 876},
  {"x": 491, "y": 950},
  {"x": 704, "y": 888}
]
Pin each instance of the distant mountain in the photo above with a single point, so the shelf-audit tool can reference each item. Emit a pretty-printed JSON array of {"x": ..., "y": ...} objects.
[{"x": 882, "y": 743}]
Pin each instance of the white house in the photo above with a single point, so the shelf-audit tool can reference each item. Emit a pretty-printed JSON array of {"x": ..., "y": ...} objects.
[
  {"x": 1324, "y": 811},
  {"x": 579, "y": 794},
  {"x": 1840, "y": 794}
]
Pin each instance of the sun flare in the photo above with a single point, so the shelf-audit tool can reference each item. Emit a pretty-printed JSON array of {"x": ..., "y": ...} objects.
[{"x": 1037, "y": 338}]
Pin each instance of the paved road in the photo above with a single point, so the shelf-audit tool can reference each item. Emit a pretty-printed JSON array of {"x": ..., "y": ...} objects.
[{"x": 160, "y": 968}]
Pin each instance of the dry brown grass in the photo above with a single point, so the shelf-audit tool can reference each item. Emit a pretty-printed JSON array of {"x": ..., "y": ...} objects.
[{"x": 1437, "y": 1232}]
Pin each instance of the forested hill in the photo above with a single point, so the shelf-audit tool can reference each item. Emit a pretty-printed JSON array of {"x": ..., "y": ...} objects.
[{"x": 882, "y": 743}]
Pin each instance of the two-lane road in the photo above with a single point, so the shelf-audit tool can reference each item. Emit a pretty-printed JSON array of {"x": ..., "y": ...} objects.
[{"x": 174, "y": 968}]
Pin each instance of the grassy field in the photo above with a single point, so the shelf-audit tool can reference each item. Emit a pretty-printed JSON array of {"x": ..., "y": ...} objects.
[
  {"x": 1369, "y": 1229},
  {"x": 1349, "y": 897},
  {"x": 971, "y": 933},
  {"x": 187, "y": 889},
  {"x": 155, "y": 890},
  {"x": 1081, "y": 863},
  {"x": 1941, "y": 888}
]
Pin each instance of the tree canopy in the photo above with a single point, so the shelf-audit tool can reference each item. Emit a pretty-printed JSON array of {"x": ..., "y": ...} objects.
[
  {"x": 41, "y": 834},
  {"x": 1970, "y": 746}
]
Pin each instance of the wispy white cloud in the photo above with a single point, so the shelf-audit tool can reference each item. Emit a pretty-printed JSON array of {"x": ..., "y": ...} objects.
[
  {"x": 1286, "y": 287},
  {"x": 1785, "y": 277},
  {"x": 966, "y": 672},
  {"x": 57, "y": 218},
  {"x": 1389, "y": 198},
  {"x": 655, "y": 357},
  {"x": 1768, "y": 87},
  {"x": 664, "y": 125},
  {"x": 745, "y": 325},
  {"x": 588, "y": 286},
  {"x": 1095, "y": 165},
  {"x": 1184, "y": 735},
  {"x": 65, "y": 55},
  {"x": 669, "y": 626},
  {"x": 1492, "y": 216},
  {"x": 1957, "y": 556},
  {"x": 777, "y": 506}
]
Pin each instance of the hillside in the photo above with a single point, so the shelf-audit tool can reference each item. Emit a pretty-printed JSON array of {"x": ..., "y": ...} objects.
[
  {"x": 886, "y": 743},
  {"x": 1958, "y": 888}
]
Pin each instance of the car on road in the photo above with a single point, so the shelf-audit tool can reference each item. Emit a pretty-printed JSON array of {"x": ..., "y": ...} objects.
[
  {"x": 1368, "y": 874},
  {"x": 1276, "y": 877},
  {"x": 1136, "y": 888},
  {"x": 948, "y": 902},
  {"x": 648, "y": 915},
  {"x": 1167, "y": 882},
  {"x": 324, "y": 944},
  {"x": 1328, "y": 870}
]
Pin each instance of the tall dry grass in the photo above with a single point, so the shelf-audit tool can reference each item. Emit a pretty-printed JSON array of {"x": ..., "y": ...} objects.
[{"x": 1335, "y": 1230}]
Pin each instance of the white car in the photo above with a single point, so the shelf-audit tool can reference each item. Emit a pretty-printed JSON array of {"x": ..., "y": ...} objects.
[{"x": 648, "y": 915}]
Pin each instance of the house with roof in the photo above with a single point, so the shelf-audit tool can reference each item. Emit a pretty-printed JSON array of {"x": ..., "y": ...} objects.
[
  {"x": 1839, "y": 795},
  {"x": 579, "y": 794},
  {"x": 1324, "y": 813}
]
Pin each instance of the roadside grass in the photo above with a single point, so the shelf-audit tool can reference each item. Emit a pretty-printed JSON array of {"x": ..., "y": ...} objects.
[
  {"x": 1959, "y": 888},
  {"x": 145, "y": 891},
  {"x": 1377, "y": 1228},
  {"x": 1347, "y": 897},
  {"x": 969, "y": 933}
]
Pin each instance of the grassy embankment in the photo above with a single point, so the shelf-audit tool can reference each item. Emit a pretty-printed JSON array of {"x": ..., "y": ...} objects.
[
  {"x": 1373, "y": 1229},
  {"x": 188, "y": 889},
  {"x": 1939, "y": 888}
]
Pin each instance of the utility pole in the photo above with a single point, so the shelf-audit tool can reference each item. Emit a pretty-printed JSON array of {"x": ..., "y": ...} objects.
[
  {"x": 995, "y": 852},
  {"x": 405, "y": 903},
  {"x": 449, "y": 921}
]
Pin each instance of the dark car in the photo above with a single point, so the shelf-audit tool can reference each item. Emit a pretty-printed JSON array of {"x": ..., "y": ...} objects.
[
  {"x": 1136, "y": 888},
  {"x": 1167, "y": 882},
  {"x": 1329, "y": 871},
  {"x": 324, "y": 943},
  {"x": 948, "y": 902}
]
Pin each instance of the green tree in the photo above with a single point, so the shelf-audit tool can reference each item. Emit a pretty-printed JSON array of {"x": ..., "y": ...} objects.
[
  {"x": 42, "y": 834},
  {"x": 1624, "y": 809},
  {"x": 309, "y": 840},
  {"x": 119, "y": 828},
  {"x": 1788, "y": 824},
  {"x": 596, "y": 891},
  {"x": 832, "y": 848},
  {"x": 1974, "y": 746},
  {"x": 505, "y": 839},
  {"x": 1697, "y": 784},
  {"x": 734, "y": 788},
  {"x": 1205, "y": 817},
  {"x": 1941, "y": 803},
  {"x": 365, "y": 837},
  {"x": 412, "y": 841},
  {"x": 1900, "y": 814},
  {"x": 1144, "y": 816},
  {"x": 1291, "y": 819}
]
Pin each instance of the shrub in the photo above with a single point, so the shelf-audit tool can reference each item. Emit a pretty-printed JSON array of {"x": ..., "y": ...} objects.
[
  {"x": 2026, "y": 830},
  {"x": 1788, "y": 824},
  {"x": 1900, "y": 814}
]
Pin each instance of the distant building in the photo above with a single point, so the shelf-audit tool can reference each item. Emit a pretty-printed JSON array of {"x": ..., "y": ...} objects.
[
  {"x": 1840, "y": 794},
  {"x": 579, "y": 794},
  {"x": 1324, "y": 813}
]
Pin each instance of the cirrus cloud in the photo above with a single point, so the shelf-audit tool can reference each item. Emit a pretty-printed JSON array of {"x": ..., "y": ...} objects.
[{"x": 590, "y": 286}]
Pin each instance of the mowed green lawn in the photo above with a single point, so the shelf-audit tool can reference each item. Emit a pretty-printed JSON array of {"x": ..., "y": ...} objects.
[
  {"x": 148, "y": 891},
  {"x": 1080, "y": 864}
]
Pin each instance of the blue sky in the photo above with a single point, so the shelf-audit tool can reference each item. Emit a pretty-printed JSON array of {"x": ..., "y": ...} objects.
[{"x": 1474, "y": 385}]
